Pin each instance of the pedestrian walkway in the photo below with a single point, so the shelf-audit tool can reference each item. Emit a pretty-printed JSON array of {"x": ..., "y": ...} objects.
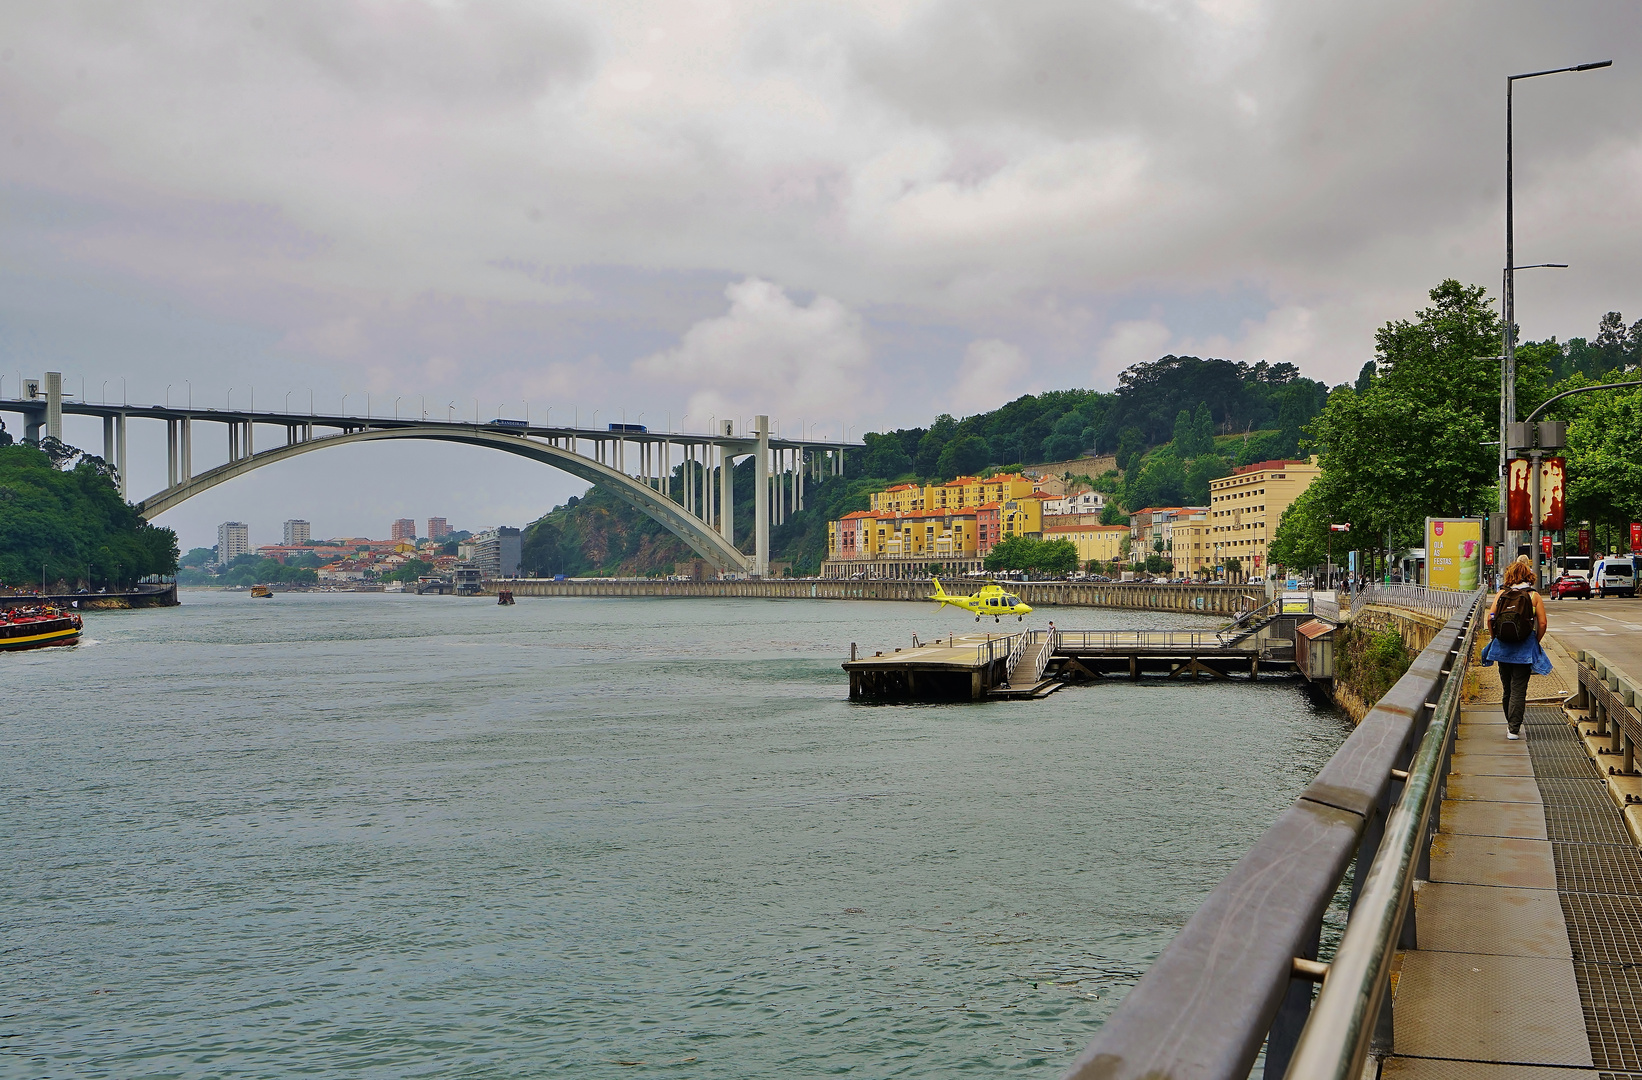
[{"x": 1530, "y": 927}]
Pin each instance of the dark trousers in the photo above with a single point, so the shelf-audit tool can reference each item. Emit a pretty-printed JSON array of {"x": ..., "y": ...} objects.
[{"x": 1513, "y": 679}]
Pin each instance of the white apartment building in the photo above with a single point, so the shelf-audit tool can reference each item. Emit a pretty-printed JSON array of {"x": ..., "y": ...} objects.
[
  {"x": 297, "y": 532},
  {"x": 233, "y": 540}
]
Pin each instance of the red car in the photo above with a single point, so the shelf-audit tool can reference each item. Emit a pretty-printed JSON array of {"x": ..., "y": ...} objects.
[{"x": 1570, "y": 586}]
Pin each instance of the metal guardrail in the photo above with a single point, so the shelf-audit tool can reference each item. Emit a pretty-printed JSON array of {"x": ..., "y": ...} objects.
[
  {"x": 1139, "y": 639},
  {"x": 989, "y": 650},
  {"x": 1613, "y": 700},
  {"x": 1240, "y": 974},
  {"x": 1431, "y": 600},
  {"x": 1015, "y": 652},
  {"x": 1051, "y": 641}
]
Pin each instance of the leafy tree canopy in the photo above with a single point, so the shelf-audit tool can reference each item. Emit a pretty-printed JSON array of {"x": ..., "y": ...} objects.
[{"x": 72, "y": 521}]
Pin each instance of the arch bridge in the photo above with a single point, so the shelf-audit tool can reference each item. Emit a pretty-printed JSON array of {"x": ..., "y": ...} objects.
[{"x": 629, "y": 461}]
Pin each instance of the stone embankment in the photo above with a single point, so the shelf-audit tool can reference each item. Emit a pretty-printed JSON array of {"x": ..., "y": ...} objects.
[{"x": 1213, "y": 600}]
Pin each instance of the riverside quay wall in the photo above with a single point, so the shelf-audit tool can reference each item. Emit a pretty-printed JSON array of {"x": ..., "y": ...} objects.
[{"x": 1205, "y": 599}]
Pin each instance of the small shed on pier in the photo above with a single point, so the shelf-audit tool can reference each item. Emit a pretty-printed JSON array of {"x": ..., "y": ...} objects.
[{"x": 1314, "y": 650}]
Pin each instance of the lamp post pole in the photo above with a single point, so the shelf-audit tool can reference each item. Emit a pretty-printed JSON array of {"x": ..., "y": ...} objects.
[{"x": 1508, "y": 407}]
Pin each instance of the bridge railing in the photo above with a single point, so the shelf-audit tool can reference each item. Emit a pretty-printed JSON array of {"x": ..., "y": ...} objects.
[
  {"x": 1424, "y": 598},
  {"x": 1239, "y": 976}
]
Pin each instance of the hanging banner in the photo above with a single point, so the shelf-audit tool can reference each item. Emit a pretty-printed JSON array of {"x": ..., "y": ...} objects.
[
  {"x": 1545, "y": 546},
  {"x": 1519, "y": 494},
  {"x": 1518, "y": 516},
  {"x": 1553, "y": 474},
  {"x": 1453, "y": 552},
  {"x": 1584, "y": 541},
  {"x": 1636, "y": 536},
  {"x": 1488, "y": 555}
]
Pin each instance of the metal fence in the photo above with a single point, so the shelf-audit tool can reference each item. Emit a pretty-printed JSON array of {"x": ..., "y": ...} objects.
[
  {"x": 1138, "y": 639},
  {"x": 1424, "y": 598},
  {"x": 1241, "y": 973}
]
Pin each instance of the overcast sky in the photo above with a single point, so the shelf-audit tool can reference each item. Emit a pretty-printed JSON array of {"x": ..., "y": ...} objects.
[{"x": 860, "y": 214}]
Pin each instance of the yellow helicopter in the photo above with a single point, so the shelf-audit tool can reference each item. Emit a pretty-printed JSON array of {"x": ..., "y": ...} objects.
[{"x": 991, "y": 600}]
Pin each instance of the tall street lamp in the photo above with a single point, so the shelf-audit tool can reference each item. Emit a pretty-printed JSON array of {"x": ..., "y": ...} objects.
[{"x": 1509, "y": 406}]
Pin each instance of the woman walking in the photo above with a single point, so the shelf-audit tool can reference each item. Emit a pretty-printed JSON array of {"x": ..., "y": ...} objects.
[{"x": 1517, "y": 620}]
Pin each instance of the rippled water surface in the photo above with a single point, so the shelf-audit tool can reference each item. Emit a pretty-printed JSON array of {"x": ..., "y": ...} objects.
[{"x": 397, "y": 836}]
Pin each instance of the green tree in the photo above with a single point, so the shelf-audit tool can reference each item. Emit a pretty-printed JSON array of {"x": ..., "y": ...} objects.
[
  {"x": 885, "y": 457},
  {"x": 74, "y": 523},
  {"x": 408, "y": 571},
  {"x": 1414, "y": 444},
  {"x": 1056, "y": 557},
  {"x": 933, "y": 442},
  {"x": 965, "y": 455},
  {"x": 1605, "y": 458},
  {"x": 1012, "y": 553},
  {"x": 1302, "y": 532}
]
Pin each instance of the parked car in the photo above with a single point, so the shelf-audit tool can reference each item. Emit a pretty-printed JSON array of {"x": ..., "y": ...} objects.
[{"x": 1567, "y": 585}]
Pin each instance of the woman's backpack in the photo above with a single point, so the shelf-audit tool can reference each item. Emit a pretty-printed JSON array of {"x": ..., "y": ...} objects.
[{"x": 1514, "y": 616}]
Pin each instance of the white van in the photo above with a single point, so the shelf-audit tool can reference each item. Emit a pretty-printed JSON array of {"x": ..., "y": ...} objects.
[{"x": 1614, "y": 575}]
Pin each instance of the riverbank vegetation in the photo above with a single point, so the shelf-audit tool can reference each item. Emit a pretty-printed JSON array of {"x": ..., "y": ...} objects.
[{"x": 62, "y": 520}]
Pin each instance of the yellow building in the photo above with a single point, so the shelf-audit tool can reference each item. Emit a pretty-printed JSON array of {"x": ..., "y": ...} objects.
[
  {"x": 1102, "y": 542},
  {"x": 964, "y": 493},
  {"x": 900, "y": 499},
  {"x": 1021, "y": 516},
  {"x": 1188, "y": 542},
  {"x": 1244, "y": 509},
  {"x": 872, "y": 544}
]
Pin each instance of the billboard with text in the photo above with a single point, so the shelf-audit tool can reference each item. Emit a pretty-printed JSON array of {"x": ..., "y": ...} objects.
[{"x": 1453, "y": 552}]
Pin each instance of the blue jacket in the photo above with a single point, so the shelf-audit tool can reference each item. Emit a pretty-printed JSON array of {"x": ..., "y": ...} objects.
[{"x": 1517, "y": 652}]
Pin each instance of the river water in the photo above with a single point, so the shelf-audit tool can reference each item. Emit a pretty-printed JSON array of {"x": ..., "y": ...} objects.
[{"x": 400, "y": 836}]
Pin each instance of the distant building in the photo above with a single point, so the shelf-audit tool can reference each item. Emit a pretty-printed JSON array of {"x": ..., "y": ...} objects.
[
  {"x": 233, "y": 540},
  {"x": 297, "y": 532},
  {"x": 403, "y": 529},
  {"x": 1084, "y": 502},
  {"x": 1246, "y": 506},
  {"x": 1102, "y": 543},
  {"x": 438, "y": 528},
  {"x": 495, "y": 552}
]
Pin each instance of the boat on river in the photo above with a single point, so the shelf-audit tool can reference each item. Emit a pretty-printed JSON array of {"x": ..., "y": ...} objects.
[
  {"x": 38, "y": 626},
  {"x": 262, "y": 592}
]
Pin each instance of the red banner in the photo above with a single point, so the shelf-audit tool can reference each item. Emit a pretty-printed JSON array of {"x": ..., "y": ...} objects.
[
  {"x": 1518, "y": 517},
  {"x": 1636, "y": 536},
  {"x": 1584, "y": 541},
  {"x": 1553, "y": 474},
  {"x": 1519, "y": 494},
  {"x": 1545, "y": 546},
  {"x": 1488, "y": 555}
]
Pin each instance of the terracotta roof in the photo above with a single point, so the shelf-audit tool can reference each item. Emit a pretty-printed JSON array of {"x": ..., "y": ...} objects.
[{"x": 1275, "y": 463}]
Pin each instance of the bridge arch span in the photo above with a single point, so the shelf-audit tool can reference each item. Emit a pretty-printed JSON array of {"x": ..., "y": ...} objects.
[{"x": 703, "y": 540}]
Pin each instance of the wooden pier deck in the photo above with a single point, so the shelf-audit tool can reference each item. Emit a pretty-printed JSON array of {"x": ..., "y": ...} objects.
[{"x": 1033, "y": 663}]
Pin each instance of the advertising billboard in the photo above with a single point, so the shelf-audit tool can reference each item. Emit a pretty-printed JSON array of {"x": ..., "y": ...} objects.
[{"x": 1453, "y": 552}]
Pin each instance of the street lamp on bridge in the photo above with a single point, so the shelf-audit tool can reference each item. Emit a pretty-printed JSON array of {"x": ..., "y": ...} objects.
[{"x": 1508, "y": 404}]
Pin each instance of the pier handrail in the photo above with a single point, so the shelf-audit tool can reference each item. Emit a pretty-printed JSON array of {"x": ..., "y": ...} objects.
[
  {"x": 1139, "y": 639},
  {"x": 987, "y": 651},
  {"x": 1015, "y": 650},
  {"x": 1239, "y": 974}
]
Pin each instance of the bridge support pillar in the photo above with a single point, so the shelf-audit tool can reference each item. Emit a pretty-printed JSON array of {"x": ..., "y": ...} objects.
[
  {"x": 761, "y": 499},
  {"x": 119, "y": 451},
  {"x": 726, "y": 495},
  {"x": 185, "y": 431},
  {"x": 171, "y": 458},
  {"x": 54, "y": 405}
]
